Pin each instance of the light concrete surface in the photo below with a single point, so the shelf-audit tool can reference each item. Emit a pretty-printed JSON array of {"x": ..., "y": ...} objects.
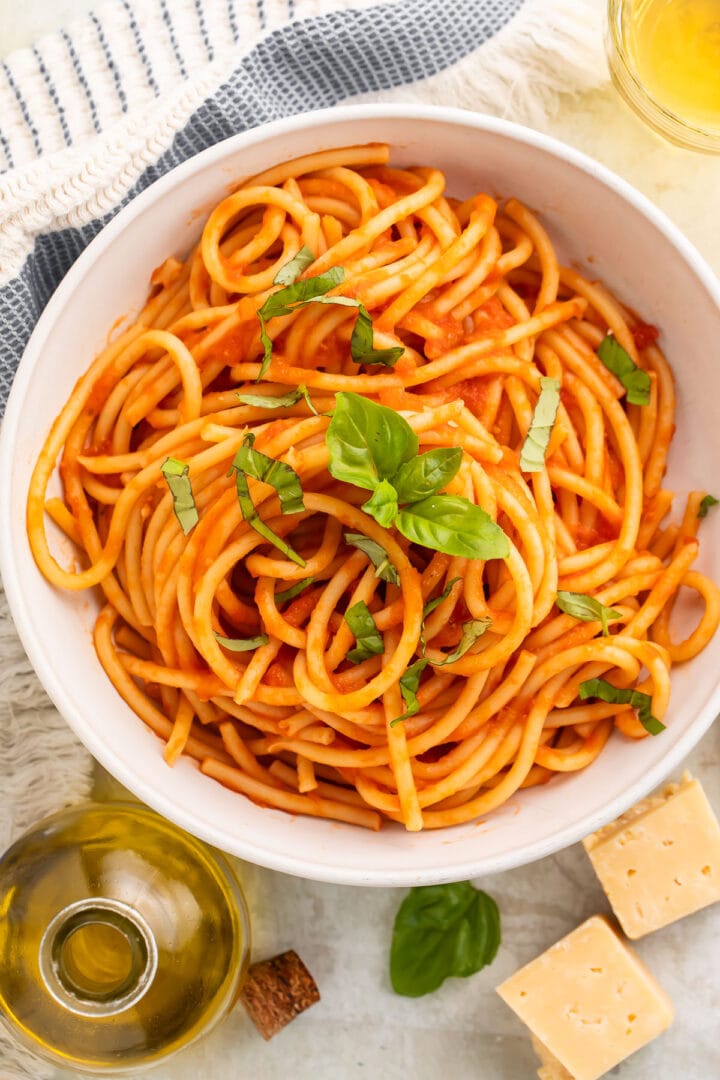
[{"x": 360, "y": 1028}]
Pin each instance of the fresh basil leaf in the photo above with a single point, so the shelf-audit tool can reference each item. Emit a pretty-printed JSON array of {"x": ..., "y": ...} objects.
[
  {"x": 242, "y": 644},
  {"x": 383, "y": 504},
  {"x": 293, "y": 590},
  {"x": 442, "y": 931},
  {"x": 705, "y": 504},
  {"x": 409, "y": 683},
  {"x": 471, "y": 631},
  {"x": 634, "y": 379},
  {"x": 367, "y": 442},
  {"x": 377, "y": 555},
  {"x": 286, "y": 300},
  {"x": 286, "y": 401},
  {"x": 305, "y": 291},
  {"x": 427, "y": 473},
  {"x": 532, "y": 454},
  {"x": 368, "y": 637},
  {"x": 437, "y": 600},
  {"x": 586, "y": 608},
  {"x": 604, "y": 690},
  {"x": 453, "y": 525},
  {"x": 177, "y": 477},
  {"x": 277, "y": 474},
  {"x": 250, "y": 514},
  {"x": 361, "y": 343},
  {"x": 291, "y": 271}
]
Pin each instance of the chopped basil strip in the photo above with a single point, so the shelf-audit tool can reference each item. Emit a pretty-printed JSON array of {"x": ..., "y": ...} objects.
[
  {"x": 291, "y": 271},
  {"x": 427, "y": 473},
  {"x": 361, "y": 343},
  {"x": 250, "y": 514},
  {"x": 368, "y": 637},
  {"x": 409, "y": 683},
  {"x": 377, "y": 555},
  {"x": 268, "y": 401},
  {"x": 705, "y": 504},
  {"x": 242, "y": 644},
  {"x": 455, "y": 526},
  {"x": 437, "y": 600},
  {"x": 442, "y": 931},
  {"x": 383, "y": 504},
  {"x": 534, "y": 448},
  {"x": 293, "y": 590},
  {"x": 177, "y": 476},
  {"x": 586, "y": 608},
  {"x": 277, "y": 474},
  {"x": 471, "y": 631},
  {"x": 634, "y": 379},
  {"x": 313, "y": 290},
  {"x": 286, "y": 300},
  {"x": 614, "y": 695}
]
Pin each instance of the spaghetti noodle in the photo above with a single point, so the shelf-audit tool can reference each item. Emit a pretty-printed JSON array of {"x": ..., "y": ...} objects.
[{"x": 291, "y": 634}]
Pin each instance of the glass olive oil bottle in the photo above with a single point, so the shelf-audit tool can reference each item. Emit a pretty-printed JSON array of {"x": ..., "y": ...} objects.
[{"x": 122, "y": 939}]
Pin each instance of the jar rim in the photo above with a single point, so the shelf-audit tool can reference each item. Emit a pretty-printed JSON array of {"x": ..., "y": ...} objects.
[{"x": 663, "y": 120}]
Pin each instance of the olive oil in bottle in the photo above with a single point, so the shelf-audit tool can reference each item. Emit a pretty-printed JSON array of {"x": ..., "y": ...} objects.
[{"x": 122, "y": 938}]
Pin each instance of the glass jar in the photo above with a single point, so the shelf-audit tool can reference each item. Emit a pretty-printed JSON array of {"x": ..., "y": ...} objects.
[
  {"x": 664, "y": 58},
  {"x": 122, "y": 938}
]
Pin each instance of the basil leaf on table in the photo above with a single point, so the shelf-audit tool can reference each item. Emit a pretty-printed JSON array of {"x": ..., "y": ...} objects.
[
  {"x": 291, "y": 271},
  {"x": 268, "y": 401},
  {"x": 368, "y": 637},
  {"x": 177, "y": 477},
  {"x": 534, "y": 448},
  {"x": 409, "y": 683},
  {"x": 427, "y": 473},
  {"x": 634, "y": 379},
  {"x": 277, "y": 474},
  {"x": 241, "y": 644},
  {"x": 377, "y": 555},
  {"x": 367, "y": 442},
  {"x": 383, "y": 504},
  {"x": 293, "y": 590},
  {"x": 455, "y": 526},
  {"x": 361, "y": 343},
  {"x": 442, "y": 931},
  {"x": 705, "y": 503},
  {"x": 616, "y": 695},
  {"x": 586, "y": 608}
]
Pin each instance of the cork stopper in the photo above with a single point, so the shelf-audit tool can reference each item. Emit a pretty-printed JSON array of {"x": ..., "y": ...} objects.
[{"x": 276, "y": 991}]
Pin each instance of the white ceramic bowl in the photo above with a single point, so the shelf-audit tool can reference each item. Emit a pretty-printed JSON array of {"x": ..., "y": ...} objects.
[{"x": 593, "y": 217}]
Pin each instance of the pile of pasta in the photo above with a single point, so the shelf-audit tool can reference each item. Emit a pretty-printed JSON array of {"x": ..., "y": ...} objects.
[{"x": 471, "y": 297}]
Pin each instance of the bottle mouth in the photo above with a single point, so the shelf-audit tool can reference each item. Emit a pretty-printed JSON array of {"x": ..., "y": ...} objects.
[{"x": 98, "y": 957}]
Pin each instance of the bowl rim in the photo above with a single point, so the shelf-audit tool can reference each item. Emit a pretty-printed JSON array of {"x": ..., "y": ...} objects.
[{"x": 72, "y": 713}]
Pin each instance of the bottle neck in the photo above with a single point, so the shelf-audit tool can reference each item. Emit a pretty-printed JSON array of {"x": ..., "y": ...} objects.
[{"x": 98, "y": 957}]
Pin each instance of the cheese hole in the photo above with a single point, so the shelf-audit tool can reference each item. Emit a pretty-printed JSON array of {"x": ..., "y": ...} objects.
[
  {"x": 706, "y": 871},
  {"x": 632, "y": 1017},
  {"x": 598, "y": 971},
  {"x": 523, "y": 993},
  {"x": 668, "y": 843},
  {"x": 631, "y": 872},
  {"x": 677, "y": 881}
]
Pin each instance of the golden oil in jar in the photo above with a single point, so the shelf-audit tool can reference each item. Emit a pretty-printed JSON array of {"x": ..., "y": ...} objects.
[
  {"x": 122, "y": 939},
  {"x": 665, "y": 59}
]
